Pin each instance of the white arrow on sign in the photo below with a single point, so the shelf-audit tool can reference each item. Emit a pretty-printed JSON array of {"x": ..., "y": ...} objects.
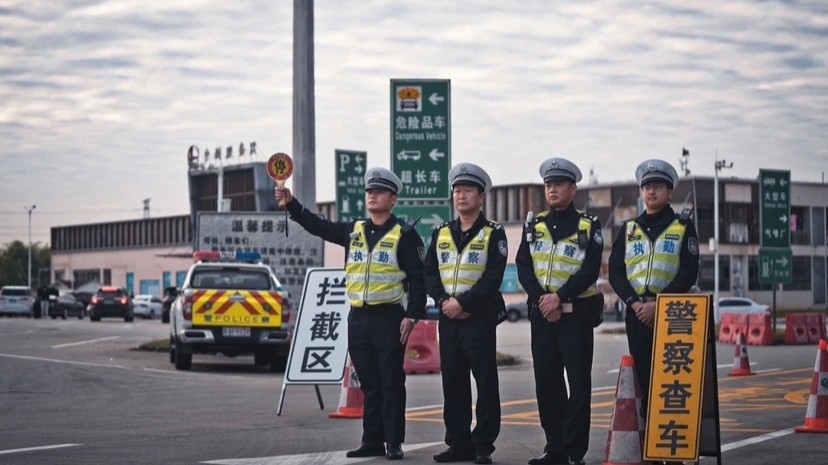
[
  {"x": 434, "y": 154},
  {"x": 433, "y": 221},
  {"x": 408, "y": 155},
  {"x": 783, "y": 218},
  {"x": 435, "y": 99},
  {"x": 783, "y": 182},
  {"x": 783, "y": 260},
  {"x": 359, "y": 206}
]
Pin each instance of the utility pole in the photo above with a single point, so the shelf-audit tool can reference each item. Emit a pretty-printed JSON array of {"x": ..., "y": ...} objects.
[
  {"x": 304, "y": 120},
  {"x": 29, "y": 210},
  {"x": 719, "y": 165}
]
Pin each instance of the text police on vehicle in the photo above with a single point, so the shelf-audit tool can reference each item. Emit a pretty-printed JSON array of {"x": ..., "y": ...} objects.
[{"x": 231, "y": 305}]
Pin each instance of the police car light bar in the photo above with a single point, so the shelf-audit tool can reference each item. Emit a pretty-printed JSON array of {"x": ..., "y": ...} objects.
[
  {"x": 206, "y": 256},
  {"x": 249, "y": 257}
]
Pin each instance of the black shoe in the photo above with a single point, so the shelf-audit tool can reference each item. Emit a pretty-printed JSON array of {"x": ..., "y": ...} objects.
[
  {"x": 483, "y": 454},
  {"x": 367, "y": 450},
  {"x": 455, "y": 455},
  {"x": 549, "y": 459},
  {"x": 574, "y": 461},
  {"x": 395, "y": 452}
]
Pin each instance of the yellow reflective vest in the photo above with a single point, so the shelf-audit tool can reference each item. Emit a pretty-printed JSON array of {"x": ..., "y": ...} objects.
[
  {"x": 554, "y": 262},
  {"x": 652, "y": 266},
  {"x": 460, "y": 270},
  {"x": 374, "y": 277}
]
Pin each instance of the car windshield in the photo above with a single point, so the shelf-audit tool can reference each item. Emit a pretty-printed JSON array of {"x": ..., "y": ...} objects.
[
  {"x": 253, "y": 280},
  {"x": 14, "y": 292}
]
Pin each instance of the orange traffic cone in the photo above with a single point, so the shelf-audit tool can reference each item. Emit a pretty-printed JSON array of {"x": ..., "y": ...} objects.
[
  {"x": 626, "y": 435},
  {"x": 816, "y": 416},
  {"x": 741, "y": 363},
  {"x": 351, "y": 398}
]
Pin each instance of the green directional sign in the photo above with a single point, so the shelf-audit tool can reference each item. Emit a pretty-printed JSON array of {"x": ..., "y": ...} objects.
[
  {"x": 775, "y": 266},
  {"x": 350, "y": 184},
  {"x": 430, "y": 216},
  {"x": 421, "y": 137},
  {"x": 775, "y": 208}
]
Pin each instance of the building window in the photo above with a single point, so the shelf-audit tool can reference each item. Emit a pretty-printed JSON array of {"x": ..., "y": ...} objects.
[
  {"x": 107, "y": 277},
  {"x": 707, "y": 273},
  {"x": 801, "y": 273},
  {"x": 800, "y": 225}
]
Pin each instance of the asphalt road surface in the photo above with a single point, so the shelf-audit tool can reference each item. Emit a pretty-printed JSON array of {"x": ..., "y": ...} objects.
[{"x": 76, "y": 392}]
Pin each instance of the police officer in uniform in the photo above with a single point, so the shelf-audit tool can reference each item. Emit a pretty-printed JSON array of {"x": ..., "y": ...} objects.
[
  {"x": 558, "y": 262},
  {"x": 463, "y": 271},
  {"x": 656, "y": 252},
  {"x": 383, "y": 259}
]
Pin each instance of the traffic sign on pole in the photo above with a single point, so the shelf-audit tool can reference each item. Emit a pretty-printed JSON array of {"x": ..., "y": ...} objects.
[
  {"x": 775, "y": 208},
  {"x": 775, "y": 265},
  {"x": 421, "y": 137},
  {"x": 350, "y": 184},
  {"x": 430, "y": 217}
]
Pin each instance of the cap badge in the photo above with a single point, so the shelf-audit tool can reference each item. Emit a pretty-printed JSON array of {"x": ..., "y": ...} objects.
[
  {"x": 651, "y": 166},
  {"x": 463, "y": 169},
  {"x": 375, "y": 174},
  {"x": 554, "y": 163}
]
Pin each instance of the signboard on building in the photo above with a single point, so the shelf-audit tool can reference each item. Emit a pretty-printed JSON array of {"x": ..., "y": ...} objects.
[
  {"x": 775, "y": 266},
  {"x": 430, "y": 217},
  {"x": 350, "y": 184},
  {"x": 289, "y": 256},
  {"x": 674, "y": 416},
  {"x": 775, "y": 208},
  {"x": 421, "y": 137},
  {"x": 320, "y": 339}
]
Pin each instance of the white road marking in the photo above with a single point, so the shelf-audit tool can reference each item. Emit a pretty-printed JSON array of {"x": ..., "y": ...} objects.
[
  {"x": 756, "y": 439},
  {"x": 768, "y": 370},
  {"x": 315, "y": 458},
  {"x": 90, "y": 341},
  {"x": 67, "y": 362},
  {"x": 33, "y": 449}
]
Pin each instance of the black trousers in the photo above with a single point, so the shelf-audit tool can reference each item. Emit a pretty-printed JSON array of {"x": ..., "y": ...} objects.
[
  {"x": 377, "y": 355},
  {"x": 470, "y": 347},
  {"x": 567, "y": 343},
  {"x": 640, "y": 343}
]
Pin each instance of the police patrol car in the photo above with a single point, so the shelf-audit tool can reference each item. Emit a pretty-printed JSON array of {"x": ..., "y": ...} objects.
[{"x": 232, "y": 305}]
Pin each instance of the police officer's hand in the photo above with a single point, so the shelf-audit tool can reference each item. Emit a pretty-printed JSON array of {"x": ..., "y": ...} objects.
[
  {"x": 645, "y": 312},
  {"x": 550, "y": 307},
  {"x": 406, "y": 326},
  {"x": 283, "y": 193},
  {"x": 453, "y": 309}
]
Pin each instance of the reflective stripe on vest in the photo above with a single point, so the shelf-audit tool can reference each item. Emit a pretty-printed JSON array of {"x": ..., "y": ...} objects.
[
  {"x": 652, "y": 266},
  {"x": 554, "y": 262},
  {"x": 374, "y": 277},
  {"x": 460, "y": 271}
]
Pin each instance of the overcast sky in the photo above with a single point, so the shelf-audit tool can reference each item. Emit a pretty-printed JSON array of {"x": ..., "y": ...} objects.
[{"x": 100, "y": 100}]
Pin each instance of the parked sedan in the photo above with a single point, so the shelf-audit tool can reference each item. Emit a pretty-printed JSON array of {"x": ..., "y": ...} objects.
[
  {"x": 516, "y": 311},
  {"x": 111, "y": 302},
  {"x": 147, "y": 306},
  {"x": 16, "y": 300},
  {"x": 67, "y": 305},
  {"x": 738, "y": 305}
]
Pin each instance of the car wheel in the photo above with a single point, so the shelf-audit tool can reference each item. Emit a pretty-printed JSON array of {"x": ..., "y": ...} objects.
[
  {"x": 152, "y": 315},
  {"x": 65, "y": 314},
  {"x": 94, "y": 318},
  {"x": 165, "y": 318},
  {"x": 172, "y": 350},
  {"x": 129, "y": 317},
  {"x": 80, "y": 316},
  {"x": 183, "y": 361},
  {"x": 54, "y": 317},
  {"x": 278, "y": 363},
  {"x": 261, "y": 357},
  {"x": 513, "y": 315}
]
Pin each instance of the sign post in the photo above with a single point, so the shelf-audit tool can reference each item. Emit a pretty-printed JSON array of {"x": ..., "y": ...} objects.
[
  {"x": 350, "y": 184},
  {"x": 775, "y": 256}
]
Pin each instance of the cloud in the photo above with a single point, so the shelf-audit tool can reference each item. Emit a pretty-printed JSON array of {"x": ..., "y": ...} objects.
[{"x": 103, "y": 98}]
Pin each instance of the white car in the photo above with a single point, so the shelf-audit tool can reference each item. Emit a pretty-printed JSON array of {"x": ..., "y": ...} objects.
[
  {"x": 146, "y": 306},
  {"x": 16, "y": 300},
  {"x": 738, "y": 305}
]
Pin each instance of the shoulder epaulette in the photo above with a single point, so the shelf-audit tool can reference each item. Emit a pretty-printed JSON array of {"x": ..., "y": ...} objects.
[
  {"x": 494, "y": 224},
  {"x": 587, "y": 215},
  {"x": 540, "y": 216},
  {"x": 442, "y": 225}
]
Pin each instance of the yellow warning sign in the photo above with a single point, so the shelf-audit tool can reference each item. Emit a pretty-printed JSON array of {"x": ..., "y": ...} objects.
[{"x": 677, "y": 380}]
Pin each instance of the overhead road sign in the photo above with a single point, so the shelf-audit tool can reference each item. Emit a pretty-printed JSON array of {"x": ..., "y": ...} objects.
[
  {"x": 421, "y": 137},
  {"x": 775, "y": 208}
]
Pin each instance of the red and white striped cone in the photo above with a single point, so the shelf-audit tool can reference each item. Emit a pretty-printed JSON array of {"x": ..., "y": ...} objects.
[
  {"x": 351, "y": 398},
  {"x": 816, "y": 416},
  {"x": 626, "y": 435},
  {"x": 741, "y": 362}
]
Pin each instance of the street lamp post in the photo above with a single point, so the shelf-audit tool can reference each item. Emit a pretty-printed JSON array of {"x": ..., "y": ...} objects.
[
  {"x": 29, "y": 211},
  {"x": 719, "y": 165}
]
